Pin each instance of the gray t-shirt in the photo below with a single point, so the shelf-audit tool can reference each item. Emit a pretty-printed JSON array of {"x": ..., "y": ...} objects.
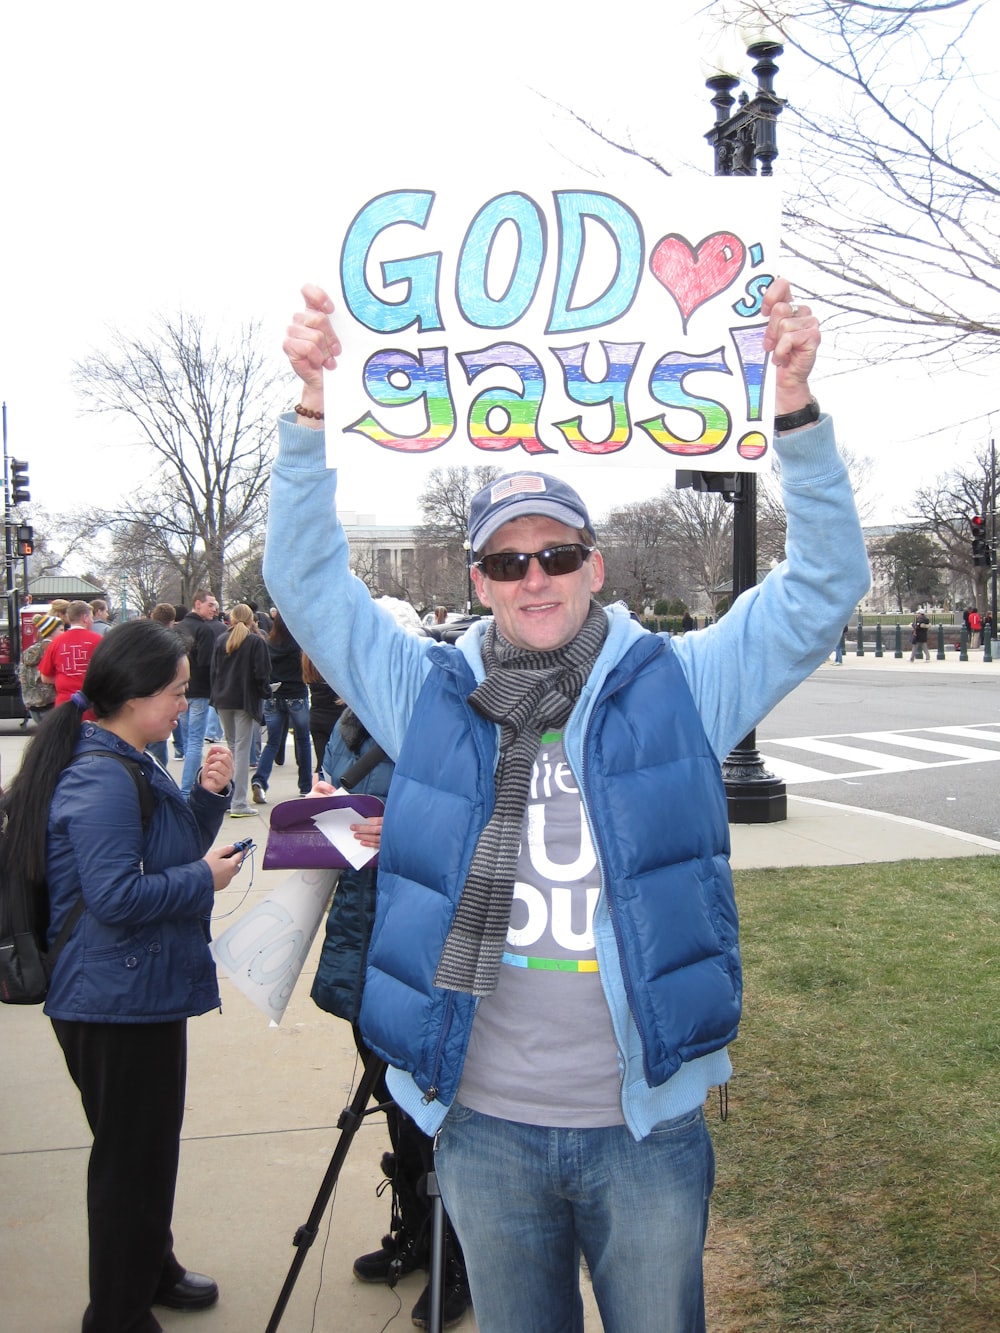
[{"x": 542, "y": 1049}]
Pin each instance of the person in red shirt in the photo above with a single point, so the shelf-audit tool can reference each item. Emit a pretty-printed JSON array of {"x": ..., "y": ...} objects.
[{"x": 64, "y": 662}]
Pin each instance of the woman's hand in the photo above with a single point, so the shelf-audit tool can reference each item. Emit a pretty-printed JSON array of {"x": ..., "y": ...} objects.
[
  {"x": 225, "y": 864},
  {"x": 369, "y": 831},
  {"x": 217, "y": 770}
]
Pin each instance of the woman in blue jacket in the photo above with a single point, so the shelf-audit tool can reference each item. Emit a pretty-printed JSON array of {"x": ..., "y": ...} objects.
[{"x": 136, "y": 964}]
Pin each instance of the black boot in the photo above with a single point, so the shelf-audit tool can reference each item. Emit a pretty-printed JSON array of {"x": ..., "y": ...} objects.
[
  {"x": 404, "y": 1249},
  {"x": 455, "y": 1298},
  {"x": 398, "y": 1256}
]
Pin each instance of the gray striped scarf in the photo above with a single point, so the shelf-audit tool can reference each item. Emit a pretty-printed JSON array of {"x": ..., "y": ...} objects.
[{"x": 526, "y": 693}]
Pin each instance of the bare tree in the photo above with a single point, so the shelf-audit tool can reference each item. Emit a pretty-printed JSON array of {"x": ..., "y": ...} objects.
[
  {"x": 207, "y": 413},
  {"x": 889, "y": 169},
  {"x": 892, "y": 183},
  {"x": 639, "y": 554},
  {"x": 771, "y": 522},
  {"x": 59, "y": 538},
  {"x": 137, "y": 565},
  {"x": 364, "y": 563},
  {"x": 245, "y": 575},
  {"x": 701, "y": 527},
  {"x": 154, "y": 533},
  {"x": 445, "y": 502},
  {"x": 945, "y": 509}
]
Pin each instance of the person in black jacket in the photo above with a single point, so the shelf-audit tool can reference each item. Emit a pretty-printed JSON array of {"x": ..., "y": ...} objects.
[
  {"x": 288, "y": 706},
  {"x": 337, "y": 988},
  {"x": 325, "y": 708},
  {"x": 199, "y": 629},
  {"x": 241, "y": 681}
]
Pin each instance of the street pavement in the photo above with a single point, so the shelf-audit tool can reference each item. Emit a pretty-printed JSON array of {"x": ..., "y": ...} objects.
[{"x": 263, "y": 1103}]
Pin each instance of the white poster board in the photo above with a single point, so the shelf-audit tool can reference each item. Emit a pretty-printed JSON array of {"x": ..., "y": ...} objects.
[
  {"x": 554, "y": 324},
  {"x": 263, "y": 952}
]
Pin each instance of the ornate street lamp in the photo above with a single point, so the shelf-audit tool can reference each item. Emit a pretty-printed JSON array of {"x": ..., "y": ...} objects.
[{"x": 741, "y": 139}]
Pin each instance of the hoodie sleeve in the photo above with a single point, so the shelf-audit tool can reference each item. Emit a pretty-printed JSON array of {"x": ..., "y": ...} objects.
[{"x": 372, "y": 663}]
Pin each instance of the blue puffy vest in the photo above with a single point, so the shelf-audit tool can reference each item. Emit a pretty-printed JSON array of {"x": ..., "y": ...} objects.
[{"x": 654, "y": 797}]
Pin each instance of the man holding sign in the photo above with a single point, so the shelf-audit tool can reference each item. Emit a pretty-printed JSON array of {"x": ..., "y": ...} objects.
[{"x": 554, "y": 971}]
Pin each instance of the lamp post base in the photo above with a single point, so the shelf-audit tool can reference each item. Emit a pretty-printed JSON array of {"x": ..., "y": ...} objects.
[{"x": 753, "y": 795}]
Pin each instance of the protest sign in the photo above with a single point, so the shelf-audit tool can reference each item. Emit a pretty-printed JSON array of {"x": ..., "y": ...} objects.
[{"x": 551, "y": 325}]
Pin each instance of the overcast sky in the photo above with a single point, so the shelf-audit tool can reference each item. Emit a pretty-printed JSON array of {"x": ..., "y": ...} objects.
[{"x": 185, "y": 155}]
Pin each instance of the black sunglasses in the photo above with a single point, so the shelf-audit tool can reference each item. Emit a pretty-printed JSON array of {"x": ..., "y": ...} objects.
[{"x": 509, "y": 566}]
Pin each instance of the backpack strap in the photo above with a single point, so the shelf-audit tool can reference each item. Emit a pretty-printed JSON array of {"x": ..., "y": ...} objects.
[
  {"x": 147, "y": 801},
  {"x": 147, "y": 804}
]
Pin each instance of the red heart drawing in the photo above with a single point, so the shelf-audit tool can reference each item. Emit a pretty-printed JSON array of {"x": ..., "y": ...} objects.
[{"x": 694, "y": 274}]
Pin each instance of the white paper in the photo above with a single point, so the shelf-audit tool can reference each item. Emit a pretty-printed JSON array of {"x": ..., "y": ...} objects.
[{"x": 335, "y": 826}]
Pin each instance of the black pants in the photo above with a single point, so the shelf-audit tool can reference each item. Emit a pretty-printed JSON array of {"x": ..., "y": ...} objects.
[{"x": 131, "y": 1078}]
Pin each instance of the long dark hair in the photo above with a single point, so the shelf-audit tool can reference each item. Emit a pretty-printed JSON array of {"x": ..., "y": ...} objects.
[
  {"x": 132, "y": 661},
  {"x": 280, "y": 633}
]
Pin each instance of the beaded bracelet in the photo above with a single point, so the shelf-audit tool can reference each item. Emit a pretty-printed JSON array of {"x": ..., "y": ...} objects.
[{"x": 301, "y": 411}]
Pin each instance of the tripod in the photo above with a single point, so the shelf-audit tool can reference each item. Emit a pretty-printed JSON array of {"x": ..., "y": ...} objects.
[{"x": 348, "y": 1124}]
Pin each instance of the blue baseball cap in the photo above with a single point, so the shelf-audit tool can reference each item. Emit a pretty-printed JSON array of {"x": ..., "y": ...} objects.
[{"x": 523, "y": 495}]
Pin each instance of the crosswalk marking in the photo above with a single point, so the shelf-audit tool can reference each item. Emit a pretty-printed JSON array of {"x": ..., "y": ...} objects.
[
  {"x": 973, "y": 753},
  {"x": 943, "y": 747},
  {"x": 875, "y": 759}
]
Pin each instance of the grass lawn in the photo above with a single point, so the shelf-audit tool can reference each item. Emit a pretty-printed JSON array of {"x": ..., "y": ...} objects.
[{"x": 858, "y": 1168}]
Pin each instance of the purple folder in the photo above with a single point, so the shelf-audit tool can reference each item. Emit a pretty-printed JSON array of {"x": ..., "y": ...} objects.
[{"x": 295, "y": 843}]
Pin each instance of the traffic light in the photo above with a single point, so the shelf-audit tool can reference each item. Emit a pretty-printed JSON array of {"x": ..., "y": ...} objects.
[
  {"x": 25, "y": 539},
  {"x": 19, "y": 483},
  {"x": 980, "y": 547}
]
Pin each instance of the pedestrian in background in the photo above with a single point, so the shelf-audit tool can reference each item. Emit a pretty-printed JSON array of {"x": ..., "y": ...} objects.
[
  {"x": 919, "y": 646},
  {"x": 200, "y": 628},
  {"x": 102, "y": 615},
  {"x": 64, "y": 662},
  {"x": 38, "y": 695},
  {"x": 325, "y": 707},
  {"x": 288, "y": 706},
  {"x": 241, "y": 681}
]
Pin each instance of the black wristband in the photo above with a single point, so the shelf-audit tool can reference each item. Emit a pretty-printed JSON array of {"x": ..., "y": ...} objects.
[{"x": 805, "y": 416}]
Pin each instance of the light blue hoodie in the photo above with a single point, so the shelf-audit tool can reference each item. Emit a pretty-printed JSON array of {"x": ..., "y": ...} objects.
[{"x": 772, "y": 638}]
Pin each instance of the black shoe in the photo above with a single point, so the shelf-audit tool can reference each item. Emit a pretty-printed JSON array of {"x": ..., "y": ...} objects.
[
  {"x": 195, "y": 1291},
  {"x": 397, "y": 1257},
  {"x": 454, "y": 1303}
]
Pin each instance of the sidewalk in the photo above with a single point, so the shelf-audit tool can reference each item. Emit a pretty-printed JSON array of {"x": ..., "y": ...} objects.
[
  {"x": 261, "y": 1118},
  {"x": 951, "y": 662}
]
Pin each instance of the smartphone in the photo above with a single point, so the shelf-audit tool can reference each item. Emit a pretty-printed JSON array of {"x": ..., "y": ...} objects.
[{"x": 243, "y": 846}]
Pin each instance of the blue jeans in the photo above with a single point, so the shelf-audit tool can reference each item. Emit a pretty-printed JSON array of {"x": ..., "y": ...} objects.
[
  {"x": 197, "y": 719},
  {"x": 526, "y": 1200},
  {"x": 213, "y": 727},
  {"x": 297, "y": 713}
]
